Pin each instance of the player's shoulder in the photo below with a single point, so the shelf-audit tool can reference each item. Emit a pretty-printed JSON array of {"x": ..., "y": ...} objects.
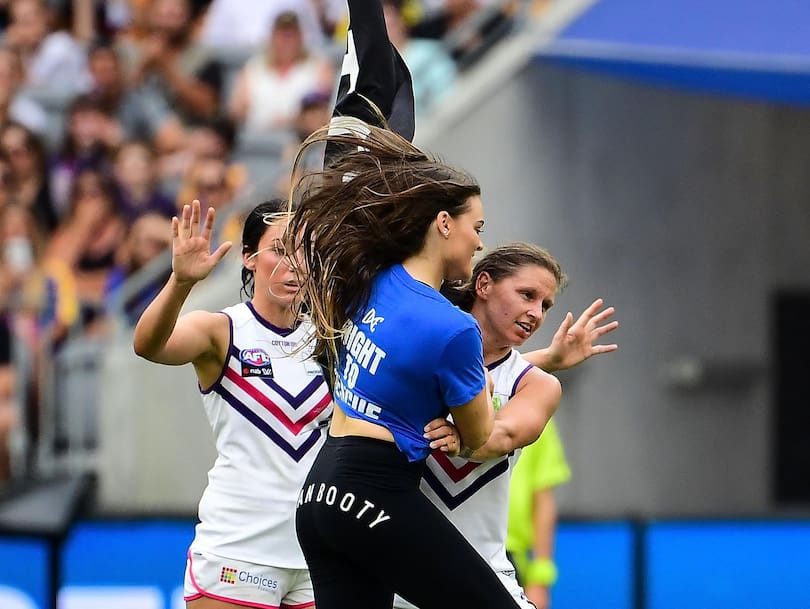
[
  {"x": 206, "y": 319},
  {"x": 238, "y": 313},
  {"x": 536, "y": 379}
]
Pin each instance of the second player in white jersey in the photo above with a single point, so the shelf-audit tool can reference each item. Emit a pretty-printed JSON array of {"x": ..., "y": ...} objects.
[
  {"x": 471, "y": 494},
  {"x": 269, "y": 411},
  {"x": 512, "y": 288}
]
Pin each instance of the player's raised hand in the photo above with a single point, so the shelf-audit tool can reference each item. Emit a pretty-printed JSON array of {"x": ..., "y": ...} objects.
[
  {"x": 192, "y": 259},
  {"x": 573, "y": 342}
]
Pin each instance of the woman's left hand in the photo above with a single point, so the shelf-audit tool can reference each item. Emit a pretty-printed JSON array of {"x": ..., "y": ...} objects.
[
  {"x": 443, "y": 435},
  {"x": 573, "y": 342}
]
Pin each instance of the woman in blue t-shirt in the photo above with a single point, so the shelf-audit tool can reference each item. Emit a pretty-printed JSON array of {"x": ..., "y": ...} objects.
[{"x": 380, "y": 230}]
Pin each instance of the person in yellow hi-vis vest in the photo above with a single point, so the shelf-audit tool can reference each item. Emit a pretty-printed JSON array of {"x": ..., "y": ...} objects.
[{"x": 533, "y": 514}]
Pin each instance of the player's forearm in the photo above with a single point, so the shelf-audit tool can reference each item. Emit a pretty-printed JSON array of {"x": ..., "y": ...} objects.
[
  {"x": 157, "y": 322},
  {"x": 543, "y": 359},
  {"x": 501, "y": 442}
]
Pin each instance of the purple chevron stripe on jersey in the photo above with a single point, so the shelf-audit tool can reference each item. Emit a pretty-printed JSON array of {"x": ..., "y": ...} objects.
[
  {"x": 453, "y": 501},
  {"x": 296, "y": 453},
  {"x": 295, "y": 401},
  {"x": 517, "y": 380}
]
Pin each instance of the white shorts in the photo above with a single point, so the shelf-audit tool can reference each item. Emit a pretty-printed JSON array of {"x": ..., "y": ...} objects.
[
  {"x": 245, "y": 583},
  {"x": 507, "y": 579}
]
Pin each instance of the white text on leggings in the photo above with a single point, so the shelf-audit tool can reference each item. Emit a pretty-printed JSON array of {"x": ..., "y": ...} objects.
[{"x": 347, "y": 503}]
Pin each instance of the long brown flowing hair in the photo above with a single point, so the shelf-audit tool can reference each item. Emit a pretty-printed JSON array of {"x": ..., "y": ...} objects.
[{"x": 367, "y": 211}]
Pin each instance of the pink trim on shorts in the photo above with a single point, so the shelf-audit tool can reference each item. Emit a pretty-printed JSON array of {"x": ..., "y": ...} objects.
[
  {"x": 224, "y": 599},
  {"x": 300, "y": 606}
]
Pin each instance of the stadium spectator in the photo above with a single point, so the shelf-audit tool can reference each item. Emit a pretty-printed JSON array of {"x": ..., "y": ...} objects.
[
  {"x": 90, "y": 137},
  {"x": 208, "y": 182},
  {"x": 214, "y": 139},
  {"x": 432, "y": 69},
  {"x": 88, "y": 239},
  {"x": 107, "y": 83},
  {"x": 138, "y": 116},
  {"x": 269, "y": 88},
  {"x": 475, "y": 25},
  {"x": 19, "y": 245},
  {"x": 14, "y": 104},
  {"x": 7, "y": 186},
  {"x": 8, "y": 408},
  {"x": 171, "y": 75},
  {"x": 51, "y": 58},
  {"x": 148, "y": 237},
  {"x": 26, "y": 155},
  {"x": 313, "y": 114},
  {"x": 444, "y": 17},
  {"x": 136, "y": 183},
  {"x": 37, "y": 305},
  {"x": 39, "y": 287},
  {"x": 235, "y": 23}
]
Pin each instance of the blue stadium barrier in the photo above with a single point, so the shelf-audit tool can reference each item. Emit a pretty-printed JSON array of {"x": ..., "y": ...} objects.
[{"x": 617, "y": 564}]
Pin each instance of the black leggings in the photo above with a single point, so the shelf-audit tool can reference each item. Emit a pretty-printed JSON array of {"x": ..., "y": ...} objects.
[{"x": 367, "y": 531}]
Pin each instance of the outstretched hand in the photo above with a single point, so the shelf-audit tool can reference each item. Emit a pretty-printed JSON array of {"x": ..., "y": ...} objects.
[
  {"x": 192, "y": 259},
  {"x": 573, "y": 342}
]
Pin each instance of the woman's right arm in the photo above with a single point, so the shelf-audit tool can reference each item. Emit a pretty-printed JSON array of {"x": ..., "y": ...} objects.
[
  {"x": 466, "y": 387},
  {"x": 474, "y": 421},
  {"x": 163, "y": 338}
]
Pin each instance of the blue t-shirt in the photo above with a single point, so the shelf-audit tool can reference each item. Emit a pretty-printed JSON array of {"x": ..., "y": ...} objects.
[{"x": 407, "y": 358}]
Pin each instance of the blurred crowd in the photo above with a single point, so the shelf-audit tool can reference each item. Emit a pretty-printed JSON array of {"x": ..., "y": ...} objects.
[{"x": 115, "y": 112}]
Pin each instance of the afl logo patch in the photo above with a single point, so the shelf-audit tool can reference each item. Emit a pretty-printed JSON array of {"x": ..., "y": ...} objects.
[{"x": 255, "y": 362}]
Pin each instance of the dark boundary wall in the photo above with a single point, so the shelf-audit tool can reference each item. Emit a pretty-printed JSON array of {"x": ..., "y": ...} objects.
[{"x": 792, "y": 396}]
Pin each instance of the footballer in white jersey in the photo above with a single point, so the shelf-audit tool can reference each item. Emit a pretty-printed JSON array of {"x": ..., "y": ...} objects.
[
  {"x": 266, "y": 401},
  {"x": 510, "y": 292},
  {"x": 474, "y": 496},
  {"x": 269, "y": 412}
]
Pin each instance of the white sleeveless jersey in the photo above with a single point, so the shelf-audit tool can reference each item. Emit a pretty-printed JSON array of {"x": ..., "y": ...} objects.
[
  {"x": 269, "y": 411},
  {"x": 474, "y": 496}
]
